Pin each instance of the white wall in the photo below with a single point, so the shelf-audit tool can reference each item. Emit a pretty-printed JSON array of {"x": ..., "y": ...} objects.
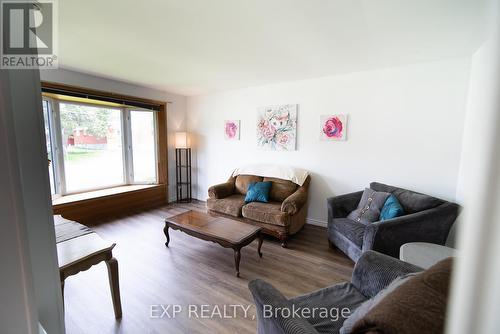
[
  {"x": 476, "y": 293},
  {"x": 16, "y": 281},
  {"x": 29, "y": 218},
  {"x": 176, "y": 110},
  {"x": 405, "y": 128}
]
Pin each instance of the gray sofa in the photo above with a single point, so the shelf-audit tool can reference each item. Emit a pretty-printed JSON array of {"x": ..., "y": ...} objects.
[
  {"x": 372, "y": 273},
  {"x": 426, "y": 219}
]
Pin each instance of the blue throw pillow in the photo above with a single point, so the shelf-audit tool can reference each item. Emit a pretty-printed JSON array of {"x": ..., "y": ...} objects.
[
  {"x": 391, "y": 209},
  {"x": 258, "y": 192}
]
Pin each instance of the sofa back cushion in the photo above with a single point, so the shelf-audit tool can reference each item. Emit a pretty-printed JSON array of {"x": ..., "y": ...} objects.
[
  {"x": 280, "y": 189},
  {"x": 258, "y": 192},
  {"x": 418, "y": 305},
  {"x": 411, "y": 201},
  {"x": 369, "y": 207},
  {"x": 243, "y": 181},
  {"x": 391, "y": 209}
]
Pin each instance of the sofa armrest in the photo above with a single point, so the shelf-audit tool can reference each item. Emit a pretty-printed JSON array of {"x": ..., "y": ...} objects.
[
  {"x": 269, "y": 302},
  {"x": 293, "y": 203},
  {"x": 222, "y": 190},
  {"x": 341, "y": 206},
  {"x": 432, "y": 225},
  {"x": 375, "y": 271}
]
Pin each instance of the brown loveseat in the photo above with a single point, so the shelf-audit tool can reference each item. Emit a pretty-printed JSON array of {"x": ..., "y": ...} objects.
[{"x": 284, "y": 215}]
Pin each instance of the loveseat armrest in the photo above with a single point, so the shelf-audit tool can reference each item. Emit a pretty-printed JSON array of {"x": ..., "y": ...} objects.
[
  {"x": 340, "y": 206},
  {"x": 293, "y": 203},
  {"x": 375, "y": 271},
  {"x": 269, "y": 303},
  {"x": 222, "y": 190},
  {"x": 431, "y": 225}
]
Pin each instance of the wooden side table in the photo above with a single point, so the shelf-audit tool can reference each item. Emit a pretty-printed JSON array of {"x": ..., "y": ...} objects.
[{"x": 81, "y": 252}]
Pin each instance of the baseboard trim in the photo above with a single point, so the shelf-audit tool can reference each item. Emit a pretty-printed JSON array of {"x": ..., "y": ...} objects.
[{"x": 316, "y": 222}]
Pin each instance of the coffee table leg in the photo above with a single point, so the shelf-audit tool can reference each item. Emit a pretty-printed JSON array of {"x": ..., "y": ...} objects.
[
  {"x": 165, "y": 230},
  {"x": 260, "y": 244},
  {"x": 237, "y": 257},
  {"x": 62, "y": 291}
]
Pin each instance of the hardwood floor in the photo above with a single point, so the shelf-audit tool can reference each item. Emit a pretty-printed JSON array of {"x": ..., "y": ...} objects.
[{"x": 191, "y": 271}]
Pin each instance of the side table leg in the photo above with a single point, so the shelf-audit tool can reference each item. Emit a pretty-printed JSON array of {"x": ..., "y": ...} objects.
[
  {"x": 260, "y": 244},
  {"x": 165, "y": 230},
  {"x": 237, "y": 257},
  {"x": 115, "y": 286},
  {"x": 62, "y": 292}
]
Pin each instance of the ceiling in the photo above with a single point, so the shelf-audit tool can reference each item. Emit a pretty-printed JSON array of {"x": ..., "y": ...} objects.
[{"x": 194, "y": 47}]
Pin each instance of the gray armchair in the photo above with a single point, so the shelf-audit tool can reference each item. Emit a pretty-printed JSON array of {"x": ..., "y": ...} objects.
[
  {"x": 372, "y": 273},
  {"x": 426, "y": 219}
]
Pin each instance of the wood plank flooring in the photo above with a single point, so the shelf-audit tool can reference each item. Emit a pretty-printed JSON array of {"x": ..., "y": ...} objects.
[{"x": 191, "y": 271}]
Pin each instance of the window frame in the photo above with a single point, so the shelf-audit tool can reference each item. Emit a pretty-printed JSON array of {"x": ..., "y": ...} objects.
[
  {"x": 130, "y": 155},
  {"x": 51, "y": 124},
  {"x": 54, "y": 115}
]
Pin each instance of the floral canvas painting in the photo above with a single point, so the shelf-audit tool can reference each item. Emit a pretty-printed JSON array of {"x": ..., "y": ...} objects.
[
  {"x": 277, "y": 127},
  {"x": 333, "y": 127},
  {"x": 232, "y": 130}
]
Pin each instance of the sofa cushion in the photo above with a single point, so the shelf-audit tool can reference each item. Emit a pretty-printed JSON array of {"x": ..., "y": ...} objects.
[
  {"x": 416, "y": 306},
  {"x": 339, "y": 297},
  {"x": 269, "y": 213},
  {"x": 280, "y": 189},
  {"x": 411, "y": 201},
  {"x": 364, "y": 308},
  {"x": 243, "y": 181},
  {"x": 391, "y": 209},
  {"x": 369, "y": 207},
  {"x": 350, "y": 229},
  {"x": 258, "y": 192},
  {"x": 230, "y": 205}
]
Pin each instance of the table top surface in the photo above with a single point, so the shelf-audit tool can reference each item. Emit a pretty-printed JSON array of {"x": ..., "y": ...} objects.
[
  {"x": 78, "y": 249},
  {"x": 213, "y": 225}
]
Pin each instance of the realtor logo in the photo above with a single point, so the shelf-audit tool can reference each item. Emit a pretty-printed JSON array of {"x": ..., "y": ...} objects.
[{"x": 28, "y": 34}]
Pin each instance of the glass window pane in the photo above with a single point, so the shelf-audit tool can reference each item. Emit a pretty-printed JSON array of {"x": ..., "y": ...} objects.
[
  {"x": 92, "y": 141},
  {"x": 143, "y": 146},
  {"x": 48, "y": 142}
]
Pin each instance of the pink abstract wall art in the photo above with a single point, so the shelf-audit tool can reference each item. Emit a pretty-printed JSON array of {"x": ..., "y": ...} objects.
[
  {"x": 333, "y": 127},
  {"x": 232, "y": 130},
  {"x": 277, "y": 127}
]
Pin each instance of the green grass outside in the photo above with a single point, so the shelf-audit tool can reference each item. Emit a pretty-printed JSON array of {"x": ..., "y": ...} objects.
[{"x": 80, "y": 153}]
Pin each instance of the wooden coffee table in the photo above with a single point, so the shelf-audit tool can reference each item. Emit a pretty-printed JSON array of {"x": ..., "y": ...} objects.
[{"x": 225, "y": 231}]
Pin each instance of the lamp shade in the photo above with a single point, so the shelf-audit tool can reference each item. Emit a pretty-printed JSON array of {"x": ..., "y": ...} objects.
[{"x": 181, "y": 140}]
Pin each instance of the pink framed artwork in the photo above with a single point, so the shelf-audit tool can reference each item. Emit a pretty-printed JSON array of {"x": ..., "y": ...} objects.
[
  {"x": 333, "y": 127},
  {"x": 277, "y": 127},
  {"x": 232, "y": 130}
]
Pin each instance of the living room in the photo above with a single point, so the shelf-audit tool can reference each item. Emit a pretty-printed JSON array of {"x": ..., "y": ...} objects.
[{"x": 208, "y": 165}]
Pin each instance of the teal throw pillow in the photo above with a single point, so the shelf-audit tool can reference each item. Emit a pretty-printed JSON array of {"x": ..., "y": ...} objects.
[
  {"x": 391, "y": 209},
  {"x": 258, "y": 192}
]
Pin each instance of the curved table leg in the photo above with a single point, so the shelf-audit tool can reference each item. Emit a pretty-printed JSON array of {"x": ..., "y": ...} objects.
[
  {"x": 165, "y": 230},
  {"x": 112, "y": 265},
  {"x": 62, "y": 292},
  {"x": 237, "y": 257},
  {"x": 260, "y": 244}
]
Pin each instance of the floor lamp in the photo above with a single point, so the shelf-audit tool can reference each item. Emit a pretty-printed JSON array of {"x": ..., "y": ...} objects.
[{"x": 182, "y": 168}]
